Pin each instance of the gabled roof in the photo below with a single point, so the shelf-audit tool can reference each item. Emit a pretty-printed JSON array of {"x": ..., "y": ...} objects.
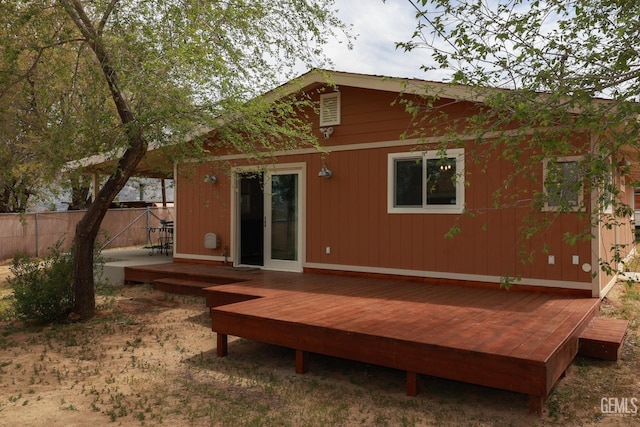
[
  {"x": 153, "y": 165},
  {"x": 320, "y": 77}
]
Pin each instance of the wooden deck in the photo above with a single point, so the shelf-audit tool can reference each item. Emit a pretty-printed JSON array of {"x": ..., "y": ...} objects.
[{"x": 517, "y": 341}]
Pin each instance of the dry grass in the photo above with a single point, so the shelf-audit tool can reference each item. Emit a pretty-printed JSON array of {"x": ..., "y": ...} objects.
[{"x": 149, "y": 359}]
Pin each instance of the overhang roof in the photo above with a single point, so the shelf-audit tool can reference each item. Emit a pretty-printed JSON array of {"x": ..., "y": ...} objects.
[{"x": 157, "y": 163}]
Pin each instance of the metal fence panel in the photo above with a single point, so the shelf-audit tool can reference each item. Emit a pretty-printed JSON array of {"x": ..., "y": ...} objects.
[{"x": 33, "y": 233}]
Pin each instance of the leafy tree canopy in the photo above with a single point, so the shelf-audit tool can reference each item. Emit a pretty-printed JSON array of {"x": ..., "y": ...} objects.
[
  {"x": 118, "y": 76},
  {"x": 570, "y": 67},
  {"x": 179, "y": 64}
]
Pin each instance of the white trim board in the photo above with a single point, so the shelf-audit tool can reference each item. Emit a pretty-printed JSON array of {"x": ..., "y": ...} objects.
[
  {"x": 418, "y": 273},
  {"x": 451, "y": 276}
]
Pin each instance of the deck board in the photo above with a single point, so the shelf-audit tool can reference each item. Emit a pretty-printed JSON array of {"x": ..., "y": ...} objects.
[{"x": 517, "y": 341}]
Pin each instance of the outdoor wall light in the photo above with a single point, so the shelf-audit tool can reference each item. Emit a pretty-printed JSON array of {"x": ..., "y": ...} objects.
[
  {"x": 326, "y": 132},
  {"x": 325, "y": 172},
  {"x": 210, "y": 179}
]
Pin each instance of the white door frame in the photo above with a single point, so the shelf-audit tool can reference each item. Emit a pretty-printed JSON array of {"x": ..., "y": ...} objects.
[{"x": 280, "y": 169}]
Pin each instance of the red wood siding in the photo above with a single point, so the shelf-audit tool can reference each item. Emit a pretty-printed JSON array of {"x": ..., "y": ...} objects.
[
  {"x": 348, "y": 212},
  {"x": 203, "y": 208}
]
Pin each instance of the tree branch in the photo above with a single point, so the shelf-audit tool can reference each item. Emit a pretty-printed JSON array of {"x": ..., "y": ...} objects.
[
  {"x": 82, "y": 21},
  {"x": 106, "y": 15}
]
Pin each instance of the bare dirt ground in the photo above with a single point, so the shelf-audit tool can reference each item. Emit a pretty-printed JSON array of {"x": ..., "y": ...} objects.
[{"x": 149, "y": 358}]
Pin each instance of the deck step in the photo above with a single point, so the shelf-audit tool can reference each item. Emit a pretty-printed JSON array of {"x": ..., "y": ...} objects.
[
  {"x": 149, "y": 274},
  {"x": 602, "y": 339},
  {"x": 182, "y": 286}
]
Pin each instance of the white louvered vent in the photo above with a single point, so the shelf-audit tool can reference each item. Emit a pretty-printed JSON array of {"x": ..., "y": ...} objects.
[{"x": 330, "y": 109}]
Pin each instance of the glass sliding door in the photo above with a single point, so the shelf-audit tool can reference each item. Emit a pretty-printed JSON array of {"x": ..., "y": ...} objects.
[
  {"x": 284, "y": 217},
  {"x": 282, "y": 231},
  {"x": 270, "y": 218}
]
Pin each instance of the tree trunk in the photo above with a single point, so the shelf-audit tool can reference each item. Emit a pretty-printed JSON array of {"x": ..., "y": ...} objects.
[
  {"x": 87, "y": 233},
  {"x": 84, "y": 286},
  {"x": 89, "y": 226}
]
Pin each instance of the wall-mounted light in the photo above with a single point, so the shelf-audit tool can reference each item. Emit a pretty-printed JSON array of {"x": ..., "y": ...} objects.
[
  {"x": 324, "y": 171},
  {"x": 326, "y": 132},
  {"x": 210, "y": 179}
]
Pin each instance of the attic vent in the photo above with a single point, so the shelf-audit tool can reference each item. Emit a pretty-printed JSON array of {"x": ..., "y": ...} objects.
[{"x": 330, "y": 109}]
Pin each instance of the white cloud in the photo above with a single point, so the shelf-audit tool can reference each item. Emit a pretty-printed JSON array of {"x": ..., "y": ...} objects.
[{"x": 378, "y": 26}]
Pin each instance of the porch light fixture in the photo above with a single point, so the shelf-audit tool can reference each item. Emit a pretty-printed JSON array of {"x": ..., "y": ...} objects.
[
  {"x": 210, "y": 179},
  {"x": 324, "y": 171},
  {"x": 326, "y": 132}
]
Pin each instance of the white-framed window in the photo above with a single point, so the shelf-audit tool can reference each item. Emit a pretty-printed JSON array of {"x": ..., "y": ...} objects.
[
  {"x": 563, "y": 184},
  {"x": 426, "y": 182}
]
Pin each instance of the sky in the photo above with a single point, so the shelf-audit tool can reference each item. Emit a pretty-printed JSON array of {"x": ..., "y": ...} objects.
[{"x": 377, "y": 27}]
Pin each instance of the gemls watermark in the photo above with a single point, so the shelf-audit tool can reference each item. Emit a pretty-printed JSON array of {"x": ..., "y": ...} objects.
[{"x": 619, "y": 405}]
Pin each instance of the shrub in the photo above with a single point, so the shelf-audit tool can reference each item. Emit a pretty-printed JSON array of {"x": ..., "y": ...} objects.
[{"x": 43, "y": 287}]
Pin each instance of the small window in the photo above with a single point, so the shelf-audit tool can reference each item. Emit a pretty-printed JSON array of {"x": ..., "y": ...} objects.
[
  {"x": 426, "y": 182},
  {"x": 330, "y": 109},
  {"x": 563, "y": 184}
]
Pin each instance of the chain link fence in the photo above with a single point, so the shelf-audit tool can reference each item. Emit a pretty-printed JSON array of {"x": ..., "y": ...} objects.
[{"x": 34, "y": 233}]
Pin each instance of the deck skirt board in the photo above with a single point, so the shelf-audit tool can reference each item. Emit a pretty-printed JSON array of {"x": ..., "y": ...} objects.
[
  {"x": 429, "y": 359},
  {"x": 202, "y": 273},
  {"x": 516, "y": 341}
]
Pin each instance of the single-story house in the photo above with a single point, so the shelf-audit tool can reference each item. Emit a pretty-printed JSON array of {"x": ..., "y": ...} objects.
[{"x": 376, "y": 202}]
